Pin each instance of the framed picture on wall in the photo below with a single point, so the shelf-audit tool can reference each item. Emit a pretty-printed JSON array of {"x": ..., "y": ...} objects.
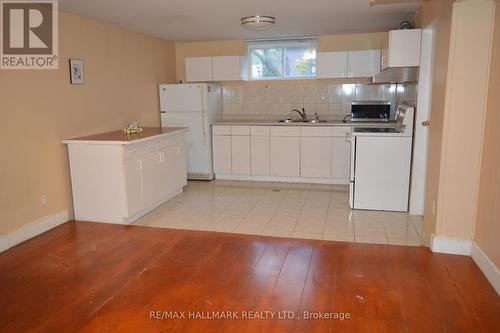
[{"x": 76, "y": 71}]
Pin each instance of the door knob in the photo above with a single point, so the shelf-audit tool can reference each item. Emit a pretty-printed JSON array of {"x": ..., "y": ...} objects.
[{"x": 426, "y": 123}]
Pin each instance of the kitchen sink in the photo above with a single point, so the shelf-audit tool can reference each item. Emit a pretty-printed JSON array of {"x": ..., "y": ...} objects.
[{"x": 310, "y": 121}]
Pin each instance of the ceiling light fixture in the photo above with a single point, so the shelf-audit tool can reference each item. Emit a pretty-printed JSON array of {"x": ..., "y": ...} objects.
[{"x": 258, "y": 22}]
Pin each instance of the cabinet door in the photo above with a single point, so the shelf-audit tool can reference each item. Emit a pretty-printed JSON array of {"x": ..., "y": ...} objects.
[
  {"x": 240, "y": 154},
  {"x": 331, "y": 64},
  {"x": 260, "y": 155},
  {"x": 285, "y": 156},
  {"x": 133, "y": 182},
  {"x": 154, "y": 178},
  {"x": 222, "y": 154},
  {"x": 341, "y": 160},
  {"x": 174, "y": 168},
  {"x": 316, "y": 157},
  {"x": 199, "y": 69},
  {"x": 228, "y": 68},
  {"x": 364, "y": 63},
  {"x": 404, "y": 48}
]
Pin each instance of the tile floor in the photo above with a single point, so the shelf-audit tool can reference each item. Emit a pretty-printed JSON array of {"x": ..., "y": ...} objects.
[{"x": 309, "y": 211}]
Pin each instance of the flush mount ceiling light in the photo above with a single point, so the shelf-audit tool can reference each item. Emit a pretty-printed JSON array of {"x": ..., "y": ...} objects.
[{"x": 258, "y": 22}]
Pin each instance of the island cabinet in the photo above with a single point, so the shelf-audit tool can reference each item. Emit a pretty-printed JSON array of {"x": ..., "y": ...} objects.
[
  {"x": 118, "y": 178},
  {"x": 318, "y": 154}
]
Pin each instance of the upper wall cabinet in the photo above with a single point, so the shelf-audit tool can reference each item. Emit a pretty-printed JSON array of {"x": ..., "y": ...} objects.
[
  {"x": 228, "y": 68},
  {"x": 364, "y": 63},
  {"x": 331, "y": 64},
  {"x": 402, "y": 49},
  {"x": 199, "y": 69},
  {"x": 348, "y": 64},
  {"x": 224, "y": 68}
]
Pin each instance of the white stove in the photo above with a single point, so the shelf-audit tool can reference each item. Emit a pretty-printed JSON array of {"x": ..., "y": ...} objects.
[{"x": 381, "y": 164}]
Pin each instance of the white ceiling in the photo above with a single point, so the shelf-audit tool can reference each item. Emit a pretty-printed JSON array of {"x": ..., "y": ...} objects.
[{"x": 193, "y": 20}]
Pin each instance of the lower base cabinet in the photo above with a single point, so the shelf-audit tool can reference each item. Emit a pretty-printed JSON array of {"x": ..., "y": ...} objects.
[
  {"x": 282, "y": 153},
  {"x": 285, "y": 156},
  {"x": 118, "y": 183}
]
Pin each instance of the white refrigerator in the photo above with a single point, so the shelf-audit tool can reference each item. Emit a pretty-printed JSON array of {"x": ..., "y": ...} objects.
[{"x": 195, "y": 106}]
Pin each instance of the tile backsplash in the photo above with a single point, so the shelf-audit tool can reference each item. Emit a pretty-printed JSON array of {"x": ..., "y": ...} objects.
[{"x": 275, "y": 100}]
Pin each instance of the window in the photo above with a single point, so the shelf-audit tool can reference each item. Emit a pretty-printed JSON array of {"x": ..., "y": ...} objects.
[{"x": 276, "y": 60}]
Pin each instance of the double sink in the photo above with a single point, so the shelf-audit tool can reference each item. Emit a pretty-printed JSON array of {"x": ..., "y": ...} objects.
[{"x": 310, "y": 121}]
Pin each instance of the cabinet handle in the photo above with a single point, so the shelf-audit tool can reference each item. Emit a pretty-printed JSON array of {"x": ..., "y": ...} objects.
[
  {"x": 178, "y": 151},
  {"x": 348, "y": 137},
  {"x": 139, "y": 164},
  {"x": 159, "y": 157}
]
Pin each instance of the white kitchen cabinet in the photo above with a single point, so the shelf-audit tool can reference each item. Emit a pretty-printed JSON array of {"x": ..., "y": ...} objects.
[
  {"x": 316, "y": 157},
  {"x": 222, "y": 154},
  {"x": 402, "y": 49},
  {"x": 332, "y": 64},
  {"x": 228, "y": 68},
  {"x": 285, "y": 156},
  {"x": 240, "y": 154},
  {"x": 285, "y": 151},
  {"x": 199, "y": 69},
  {"x": 364, "y": 63},
  {"x": 341, "y": 154},
  {"x": 117, "y": 179},
  {"x": 223, "y": 68},
  {"x": 260, "y": 151},
  {"x": 133, "y": 183}
]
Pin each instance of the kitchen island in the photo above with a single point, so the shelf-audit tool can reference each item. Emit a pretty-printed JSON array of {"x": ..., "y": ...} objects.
[{"x": 117, "y": 177}]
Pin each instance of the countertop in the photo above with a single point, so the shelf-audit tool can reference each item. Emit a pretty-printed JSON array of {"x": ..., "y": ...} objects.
[
  {"x": 118, "y": 137},
  {"x": 250, "y": 122}
]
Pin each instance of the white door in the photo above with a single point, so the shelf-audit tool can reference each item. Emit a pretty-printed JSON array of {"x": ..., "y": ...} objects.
[
  {"x": 222, "y": 154},
  {"x": 382, "y": 173},
  {"x": 199, "y": 69},
  {"x": 316, "y": 157},
  {"x": 260, "y": 155},
  {"x": 154, "y": 179},
  {"x": 341, "y": 161},
  {"x": 182, "y": 97},
  {"x": 364, "y": 63},
  {"x": 133, "y": 180},
  {"x": 423, "y": 113},
  {"x": 198, "y": 139},
  {"x": 240, "y": 154},
  {"x": 331, "y": 64},
  {"x": 175, "y": 167},
  {"x": 285, "y": 156}
]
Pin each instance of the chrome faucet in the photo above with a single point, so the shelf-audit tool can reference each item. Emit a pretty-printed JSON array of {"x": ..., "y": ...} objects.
[{"x": 303, "y": 114}]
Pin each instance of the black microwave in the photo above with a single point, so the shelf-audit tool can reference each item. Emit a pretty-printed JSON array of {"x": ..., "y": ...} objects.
[{"x": 370, "y": 111}]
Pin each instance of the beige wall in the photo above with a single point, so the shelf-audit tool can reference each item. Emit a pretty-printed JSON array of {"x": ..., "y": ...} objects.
[
  {"x": 488, "y": 212},
  {"x": 340, "y": 42},
  {"x": 39, "y": 108},
  {"x": 436, "y": 12}
]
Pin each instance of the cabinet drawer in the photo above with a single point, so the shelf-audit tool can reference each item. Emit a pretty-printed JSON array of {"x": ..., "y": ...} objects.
[
  {"x": 138, "y": 149},
  {"x": 316, "y": 131},
  {"x": 260, "y": 130},
  {"x": 240, "y": 130},
  {"x": 221, "y": 130},
  {"x": 285, "y": 131},
  {"x": 341, "y": 131}
]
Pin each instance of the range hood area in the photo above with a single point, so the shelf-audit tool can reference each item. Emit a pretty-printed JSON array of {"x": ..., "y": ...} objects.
[{"x": 396, "y": 75}]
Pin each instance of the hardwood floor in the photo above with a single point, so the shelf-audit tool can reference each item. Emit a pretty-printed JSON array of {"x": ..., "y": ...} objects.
[{"x": 91, "y": 277}]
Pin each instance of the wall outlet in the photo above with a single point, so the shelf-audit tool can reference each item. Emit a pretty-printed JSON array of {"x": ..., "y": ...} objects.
[{"x": 43, "y": 199}]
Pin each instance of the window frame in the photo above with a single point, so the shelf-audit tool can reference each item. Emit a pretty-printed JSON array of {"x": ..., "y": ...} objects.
[{"x": 279, "y": 44}]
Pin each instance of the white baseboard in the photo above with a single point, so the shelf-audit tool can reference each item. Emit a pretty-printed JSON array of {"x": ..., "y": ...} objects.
[
  {"x": 449, "y": 245},
  {"x": 333, "y": 181},
  {"x": 488, "y": 268},
  {"x": 32, "y": 229}
]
